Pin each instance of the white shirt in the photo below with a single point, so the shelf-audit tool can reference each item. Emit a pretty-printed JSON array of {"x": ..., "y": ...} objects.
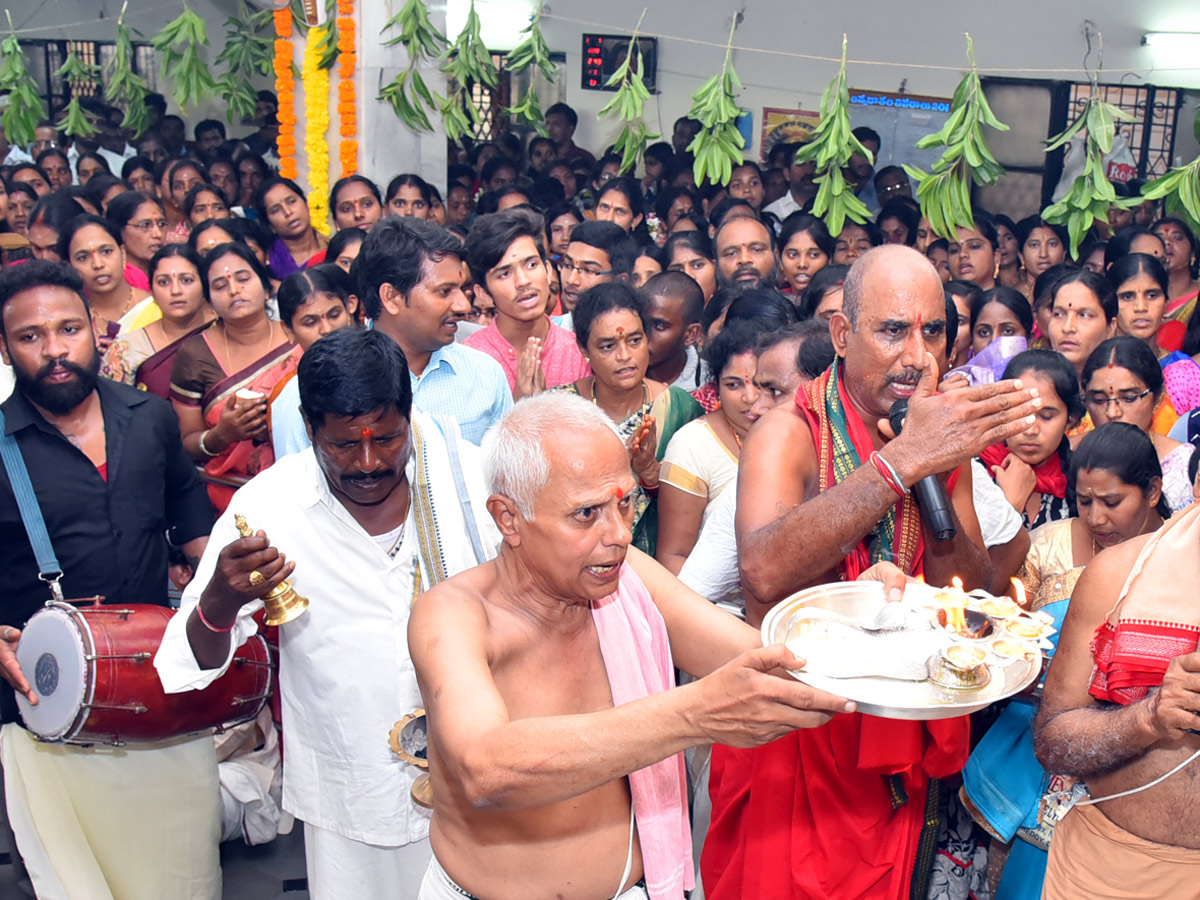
[
  {"x": 998, "y": 521},
  {"x": 345, "y": 676},
  {"x": 687, "y": 378},
  {"x": 783, "y": 207},
  {"x": 711, "y": 569}
]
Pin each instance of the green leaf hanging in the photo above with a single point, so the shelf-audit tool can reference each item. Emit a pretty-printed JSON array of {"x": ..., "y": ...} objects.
[
  {"x": 327, "y": 47},
  {"x": 123, "y": 86},
  {"x": 628, "y": 102},
  {"x": 25, "y": 107},
  {"x": 718, "y": 145},
  {"x": 830, "y": 147},
  {"x": 1091, "y": 193},
  {"x": 467, "y": 62},
  {"x": 179, "y": 43},
  {"x": 532, "y": 51},
  {"x": 409, "y": 96},
  {"x": 945, "y": 193},
  {"x": 247, "y": 55},
  {"x": 76, "y": 72}
]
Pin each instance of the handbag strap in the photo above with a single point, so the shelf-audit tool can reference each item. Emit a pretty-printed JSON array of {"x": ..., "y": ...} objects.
[{"x": 49, "y": 569}]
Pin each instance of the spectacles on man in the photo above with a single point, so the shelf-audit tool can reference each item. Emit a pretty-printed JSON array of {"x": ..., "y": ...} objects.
[
  {"x": 894, "y": 189},
  {"x": 147, "y": 224},
  {"x": 566, "y": 266},
  {"x": 1123, "y": 399}
]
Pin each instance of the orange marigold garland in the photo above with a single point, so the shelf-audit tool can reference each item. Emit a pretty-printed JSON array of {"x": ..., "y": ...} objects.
[
  {"x": 285, "y": 89},
  {"x": 347, "y": 106}
]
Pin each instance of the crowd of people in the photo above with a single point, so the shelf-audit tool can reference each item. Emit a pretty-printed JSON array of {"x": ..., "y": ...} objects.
[{"x": 541, "y": 440}]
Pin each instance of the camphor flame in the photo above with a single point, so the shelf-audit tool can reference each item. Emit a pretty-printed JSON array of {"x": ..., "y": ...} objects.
[
  {"x": 1019, "y": 590},
  {"x": 955, "y": 604}
]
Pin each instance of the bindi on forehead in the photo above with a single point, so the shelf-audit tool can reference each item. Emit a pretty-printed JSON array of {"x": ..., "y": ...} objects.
[{"x": 367, "y": 433}]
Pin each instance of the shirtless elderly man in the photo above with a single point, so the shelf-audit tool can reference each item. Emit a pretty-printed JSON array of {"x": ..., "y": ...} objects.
[
  {"x": 1120, "y": 712},
  {"x": 555, "y": 731}
]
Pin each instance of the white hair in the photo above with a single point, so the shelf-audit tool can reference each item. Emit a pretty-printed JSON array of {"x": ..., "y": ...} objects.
[{"x": 514, "y": 457}]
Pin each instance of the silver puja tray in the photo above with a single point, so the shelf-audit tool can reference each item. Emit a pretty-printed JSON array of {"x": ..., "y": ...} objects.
[{"x": 893, "y": 698}]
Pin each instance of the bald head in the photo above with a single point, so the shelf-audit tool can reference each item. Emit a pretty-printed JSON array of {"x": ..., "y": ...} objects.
[{"x": 882, "y": 271}]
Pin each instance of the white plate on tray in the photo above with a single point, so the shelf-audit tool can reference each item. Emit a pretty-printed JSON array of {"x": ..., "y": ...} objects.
[{"x": 886, "y": 697}]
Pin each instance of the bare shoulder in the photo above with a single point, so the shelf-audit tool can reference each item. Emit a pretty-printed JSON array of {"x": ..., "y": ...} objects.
[
  {"x": 1104, "y": 577},
  {"x": 458, "y": 599}
]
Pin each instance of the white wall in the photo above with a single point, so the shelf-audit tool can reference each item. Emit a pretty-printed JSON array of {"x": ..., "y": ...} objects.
[{"x": 1037, "y": 34}]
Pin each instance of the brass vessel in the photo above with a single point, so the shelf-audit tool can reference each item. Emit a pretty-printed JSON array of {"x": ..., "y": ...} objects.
[
  {"x": 409, "y": 741},
  {"x": 282, "y": 602}
]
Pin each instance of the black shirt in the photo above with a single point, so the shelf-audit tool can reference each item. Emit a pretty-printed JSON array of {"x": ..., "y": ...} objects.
[{"x": 108, "y": 535}]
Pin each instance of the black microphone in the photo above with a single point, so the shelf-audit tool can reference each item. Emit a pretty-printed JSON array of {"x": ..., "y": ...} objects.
[{"x": 930, "y": 495}]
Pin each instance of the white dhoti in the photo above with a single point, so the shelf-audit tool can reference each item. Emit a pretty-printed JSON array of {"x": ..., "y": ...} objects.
[
  {"x": 343, "y": 869},
  {"x": 115, "y": 823}
]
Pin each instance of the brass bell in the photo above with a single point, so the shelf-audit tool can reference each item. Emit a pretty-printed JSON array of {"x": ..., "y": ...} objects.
[
  {"x": 409, "y": 741},
  {"x": 282, "y": 602}
]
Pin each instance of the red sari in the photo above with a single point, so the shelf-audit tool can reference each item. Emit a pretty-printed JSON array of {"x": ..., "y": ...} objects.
[
  {"x": 199, "y": 380},
  {"x": 845, "y": 810}
]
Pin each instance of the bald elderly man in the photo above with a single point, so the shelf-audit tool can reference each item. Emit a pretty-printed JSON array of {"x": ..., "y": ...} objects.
[
  {"x": 555, "y": 729},
  {"x": 823, "y": 492}
]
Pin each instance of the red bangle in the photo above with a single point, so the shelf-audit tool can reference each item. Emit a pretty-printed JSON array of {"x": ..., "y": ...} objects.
[
  {"x": 649, "y": 489},
  {"x": 209, "y": 625},
  {"x": 882, "y": 468}
]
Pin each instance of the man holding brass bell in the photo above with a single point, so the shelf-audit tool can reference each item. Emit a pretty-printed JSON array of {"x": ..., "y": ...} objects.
[{"x": 339, "y": 540}]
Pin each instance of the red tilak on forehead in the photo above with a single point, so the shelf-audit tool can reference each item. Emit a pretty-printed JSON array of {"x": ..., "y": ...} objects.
[
  {"x": 920, "y": 319},
  {"x": 620, "y": 331},
  {"x": 367, "y": 433},
  {"x": 620, "y": 494}
]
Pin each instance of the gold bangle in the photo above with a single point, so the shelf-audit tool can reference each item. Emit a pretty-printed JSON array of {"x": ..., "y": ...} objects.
[{"x": 204, "y": 449}]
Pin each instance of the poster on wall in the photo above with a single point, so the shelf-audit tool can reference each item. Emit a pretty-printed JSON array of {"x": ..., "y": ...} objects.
[
  {"x": 785, "y": 126},
  {"x": 901, "y": 120}
]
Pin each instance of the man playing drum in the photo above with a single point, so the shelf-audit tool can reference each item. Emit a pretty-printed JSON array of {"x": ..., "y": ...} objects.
[
  {"x": 111, "y": 478},
  {"x": 555, "y": 730},
  {"x": 387, "y": 502}
]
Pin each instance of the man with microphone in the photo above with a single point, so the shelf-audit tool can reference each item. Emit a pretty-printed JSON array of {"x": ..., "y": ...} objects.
[{"x": 826, "y": 489}]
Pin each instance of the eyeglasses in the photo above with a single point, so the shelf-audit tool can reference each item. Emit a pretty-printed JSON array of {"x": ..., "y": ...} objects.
[
  {"x": 564, "y": 267},
  {"x": 147, "y": 224},
  {"x": 1126, "y": 398},
  {"x": 894, "y": 189}
]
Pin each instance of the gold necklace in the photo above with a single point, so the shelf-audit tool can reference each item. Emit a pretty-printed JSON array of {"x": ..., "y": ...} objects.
[
  {"x": 645, "y": 398},
  {"x": 229, "y": 357}
]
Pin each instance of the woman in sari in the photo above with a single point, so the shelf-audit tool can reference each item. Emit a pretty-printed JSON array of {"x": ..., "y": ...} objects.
[
  {"x": 1117, "y": 484},
  {"x": 142, "y": 224},
  {"x": 701, "y": 460},
  {"x": 222, "y": 376},
  {"x": 93, "y": 248},
  {"x": 145, "y": 356},
  {"x": 283, "y": 207},
  {"x": 610, "y": 328},
  {"x": 1182, "y": 250}
]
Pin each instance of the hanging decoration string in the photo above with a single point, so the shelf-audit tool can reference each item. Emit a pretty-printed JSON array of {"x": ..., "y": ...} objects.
[
  {"x": 285, "y": 90},
  {"x": 347, "y": 105},
  {"x": 316, "y": 123}
]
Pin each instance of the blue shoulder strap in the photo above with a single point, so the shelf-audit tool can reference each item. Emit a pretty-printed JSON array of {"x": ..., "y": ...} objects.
[{"x": 49, "y": 570}]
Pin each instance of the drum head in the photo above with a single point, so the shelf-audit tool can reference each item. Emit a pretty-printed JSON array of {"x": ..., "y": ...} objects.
[{"x": 51, "y": 655}]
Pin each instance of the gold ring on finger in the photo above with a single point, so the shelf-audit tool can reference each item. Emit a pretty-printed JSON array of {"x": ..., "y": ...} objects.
[{"x": 256, "y": 578}]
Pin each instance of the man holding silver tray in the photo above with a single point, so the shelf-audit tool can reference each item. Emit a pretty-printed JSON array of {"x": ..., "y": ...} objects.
[{"x": 826, "y": 489}]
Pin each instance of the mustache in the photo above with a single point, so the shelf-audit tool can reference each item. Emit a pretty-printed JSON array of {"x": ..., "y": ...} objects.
[
  {"x": 57, "y": 365},
  {"x": 368, "y": 479},
  {"x": 908, "y": 376}
]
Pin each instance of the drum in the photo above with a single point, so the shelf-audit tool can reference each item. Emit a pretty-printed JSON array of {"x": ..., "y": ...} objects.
[{"x": 93, "y": 672}]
